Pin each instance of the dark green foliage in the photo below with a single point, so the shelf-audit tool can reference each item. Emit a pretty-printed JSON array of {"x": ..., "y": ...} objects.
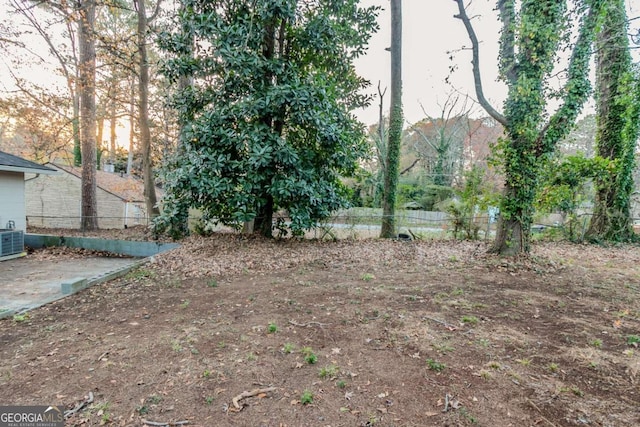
[
  {"x": 471, "y": 199},
  {"x": 564, "y": 184},
  {"x": 267, "y": 123}
]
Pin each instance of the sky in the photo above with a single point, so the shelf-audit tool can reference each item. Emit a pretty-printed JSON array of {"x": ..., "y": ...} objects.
[
  {"x": 430, "y": 35},
  {"x": 430, "y": 32}
]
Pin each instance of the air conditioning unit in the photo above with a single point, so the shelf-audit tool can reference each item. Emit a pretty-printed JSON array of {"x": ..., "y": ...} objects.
[{"x": 11, "y": 242}]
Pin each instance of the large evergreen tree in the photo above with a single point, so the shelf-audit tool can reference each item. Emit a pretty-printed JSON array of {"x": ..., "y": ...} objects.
[{"x": 267, "y": 120}]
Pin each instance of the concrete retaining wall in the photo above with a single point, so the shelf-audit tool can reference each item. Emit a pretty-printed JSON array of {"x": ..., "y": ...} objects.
[{"x": 124, "y": 247}]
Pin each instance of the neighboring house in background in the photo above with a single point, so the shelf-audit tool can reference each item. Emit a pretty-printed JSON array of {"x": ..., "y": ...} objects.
[
  {"x": 12, "y": 189},
  {"x": 55, "y": 201}
]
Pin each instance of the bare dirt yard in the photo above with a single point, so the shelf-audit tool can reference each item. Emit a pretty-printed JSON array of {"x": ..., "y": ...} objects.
[{"x": 230, "y": 331}]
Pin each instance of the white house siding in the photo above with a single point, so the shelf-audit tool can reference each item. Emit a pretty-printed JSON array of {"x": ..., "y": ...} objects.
[
  {"x": 12, "y": 206},
  {"x": 54, "y": 201},
  {"x": 110, "y": 210}
]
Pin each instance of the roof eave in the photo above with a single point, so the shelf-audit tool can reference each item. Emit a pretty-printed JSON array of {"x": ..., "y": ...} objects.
[{"x": 47, "y": 171}]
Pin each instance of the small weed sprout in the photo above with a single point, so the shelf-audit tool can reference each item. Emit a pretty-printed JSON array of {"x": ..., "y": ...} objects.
[
  {"x": 341, "y": 384},
  {"x": 597, "y": 343},
  {"x": 154, "y": 399},
  {"x": 573, "y": 389},
  {"x": 524, "y": 362},
  {"x": 435, "y": 365},
  {"x": 472, "y": 419},
  {"x": 442, "y": 348},
  {"x": 209, "y": 400},
  {"x": 139, "y": 274},
  {"x": 367, "y": 277},
  {"x": 176, "y": 346},
  {"x": 633, "y": 340},
  {"x": 515, "y": 376},
  {"x": 288, "y": 348},
  {"x": 472, "y": 320},
  {"x": 311, "y": 358},
  {"x": 103, "y": 412},
  {"x": 213, "y": 283},
  {"x": 485, "y": 375},
  {"x": 206, "y": 373},
  {"x": 19, "y": 318},
  {"x": 494, "y": 365},
  {"x": 483, "y": 342},
  {"x": 330, "y": 371},
  {"x": 272, "y": 328},
  {"x": 184, "y": 304},
  {"x": 306, "y": 398},
  {"x": 553, "y": 367}
]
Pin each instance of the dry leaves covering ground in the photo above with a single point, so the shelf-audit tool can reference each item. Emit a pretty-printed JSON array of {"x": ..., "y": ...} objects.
[{"x": 233, "y": 331}]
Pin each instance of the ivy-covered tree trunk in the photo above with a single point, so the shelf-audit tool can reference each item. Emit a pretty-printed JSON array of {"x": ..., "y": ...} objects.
[
  {"x": 392, "y": 161},
  {"x": 618, "y": 106},
  {"x": 531, "y": 40}
]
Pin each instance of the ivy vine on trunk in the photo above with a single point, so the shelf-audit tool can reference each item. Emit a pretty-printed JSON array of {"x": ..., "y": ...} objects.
[
  {"x": 618, "y": 112},
  {"x": 531, "y": 40},
  {"x": 392, "y": 158}
]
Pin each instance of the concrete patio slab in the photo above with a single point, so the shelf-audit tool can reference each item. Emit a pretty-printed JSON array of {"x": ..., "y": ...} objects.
[{"x": 29, "y": 283}]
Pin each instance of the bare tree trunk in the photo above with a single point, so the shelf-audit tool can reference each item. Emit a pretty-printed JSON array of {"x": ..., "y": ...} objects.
[
  {"x": 86, "y": 37},
  {"x": 112, "y": 131},
  {"x": 75, "y": 124},
  {"x": 132, "y": 127},
  {"x": 143, "y": 113},
  {"x": 388, "y": 229},
  {"x": 99, "y": 136}
]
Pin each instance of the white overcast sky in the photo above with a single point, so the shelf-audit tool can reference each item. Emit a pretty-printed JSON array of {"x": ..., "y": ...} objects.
[{"x": 429, "y": 32}]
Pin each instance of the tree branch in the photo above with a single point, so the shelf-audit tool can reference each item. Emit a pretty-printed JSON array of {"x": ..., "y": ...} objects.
[
  {"x": 155, "y": 12},
  {"x": 475, "y": 62},
  {"x": 577, "y": 88},
  {"x": 408, "y": 168},
  {"x": 508, "y": 65}
]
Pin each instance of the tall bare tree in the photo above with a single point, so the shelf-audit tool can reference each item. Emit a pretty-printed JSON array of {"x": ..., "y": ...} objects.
[
  {"x": 65, "y": 55},
  {"x": 87, "y": 89},
  {"x": 143, "y": 107}
]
